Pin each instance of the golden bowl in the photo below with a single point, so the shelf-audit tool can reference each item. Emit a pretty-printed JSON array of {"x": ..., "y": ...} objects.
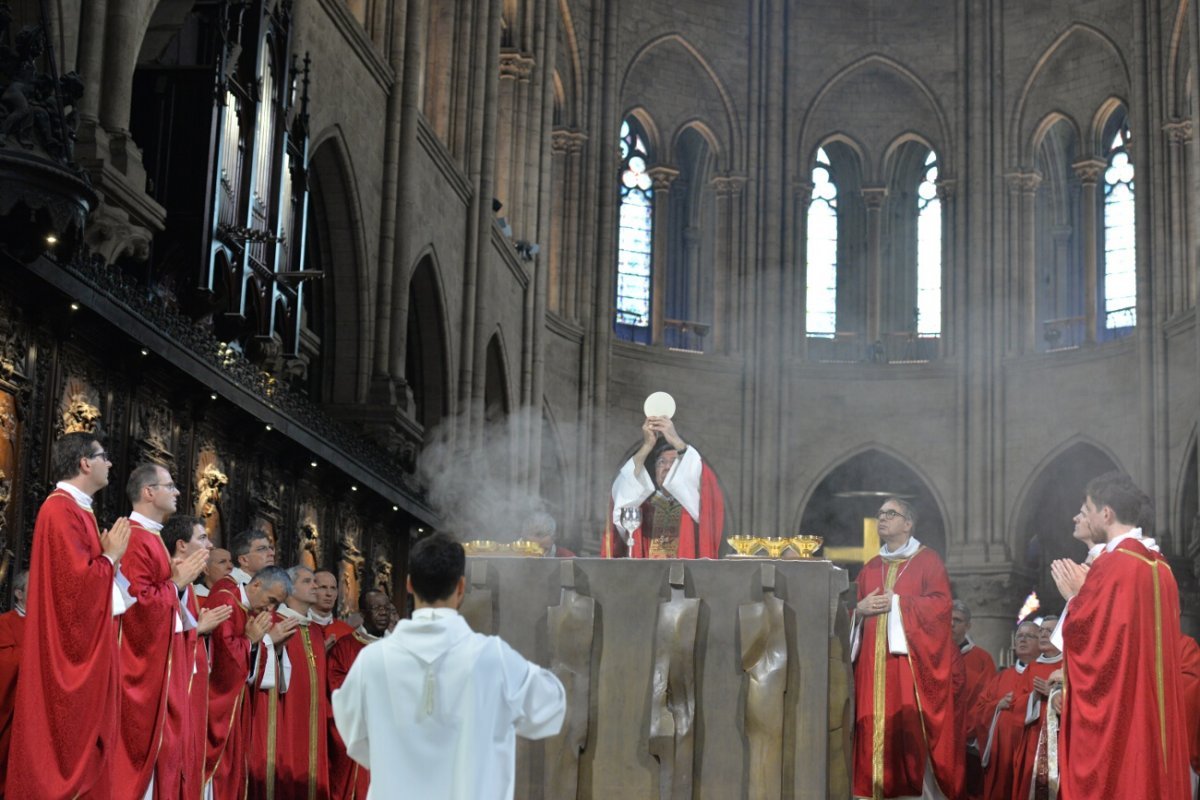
[
  {"x": 806, "y": 546},
  {"x": 480, "y": 547},
  {"x": 744, "y": 545},
  {"x": 526, "y": 547},
  {"x": 774, "y": 547}
]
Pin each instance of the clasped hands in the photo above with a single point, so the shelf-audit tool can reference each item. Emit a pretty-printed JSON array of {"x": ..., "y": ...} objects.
[
  {"x": 1068, "y": 576},
  {"x": 877, "y": 602}
]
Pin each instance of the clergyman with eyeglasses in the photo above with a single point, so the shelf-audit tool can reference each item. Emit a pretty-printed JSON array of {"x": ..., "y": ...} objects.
[
  {"x": 906, "y": 669},
  {"x": 65, "y": 722}
]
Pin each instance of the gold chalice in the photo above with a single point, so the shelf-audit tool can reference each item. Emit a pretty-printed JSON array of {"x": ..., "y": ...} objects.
[
  {"x": 774, "y": 547},
  {"x": 526, "y": 547},
  {"x": 806, "y": 545},
  {"x": 480, "y": 547},
  {"x": 744, "y": 545}
]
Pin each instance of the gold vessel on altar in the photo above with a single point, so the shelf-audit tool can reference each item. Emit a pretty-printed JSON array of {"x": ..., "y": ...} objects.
[
  {"x": 488, "y": 547},
  {"x": 806, "y": 545}
]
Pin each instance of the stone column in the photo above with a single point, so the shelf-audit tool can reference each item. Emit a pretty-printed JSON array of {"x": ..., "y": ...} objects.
[
  {"x": 873, "y": 198},
  {"x": 1088, "y": 171},
  {"x": 1029, "y": 187},
  {"x": 513, "y": 124},
  {"x": 569, "y": 274},
  {"x": 798, "y": 267},
  {"x": 946, "y": 195},
  {"x": 662, "y": 177},
  {"x": 1179, "y": 135},
  {"x": 727, "y": 190}
]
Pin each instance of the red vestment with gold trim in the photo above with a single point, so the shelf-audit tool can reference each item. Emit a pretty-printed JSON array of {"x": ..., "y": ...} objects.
[{"x": 348, "y": 780}]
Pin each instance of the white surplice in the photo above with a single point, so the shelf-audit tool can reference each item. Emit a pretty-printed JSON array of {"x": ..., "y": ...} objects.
[
  {"x": 633, "y": 487},
  {"x": 434, "y": 709}
]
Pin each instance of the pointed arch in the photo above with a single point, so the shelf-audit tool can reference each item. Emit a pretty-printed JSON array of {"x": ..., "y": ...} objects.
[
  {"x": 428, "y": 360},
  {"x": 1178, "y": 64},
  {"x": 1047, "y": 123},
  {"x": 572, "y": 87},
  {"x": 340, "y": 304},
  {"x": 654, "y": 140},
  {"x": 1185, "y": 526},
  {"x": 497, "y": 391}
]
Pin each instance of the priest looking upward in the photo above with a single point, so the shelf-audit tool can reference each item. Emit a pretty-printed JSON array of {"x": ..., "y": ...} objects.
[
  {"x": 678, "y": 504},
  {"x": 68, "y": 692},
  {"x": 980, "y": 669},
  {"x": 12, "y": 635},
  {"x": 289, "y": 750},
  {"x": 347, "y": 779},
  {"x": 235, "y": 646},
  {"x": 1035, "y": 768},
  {"x": 433, "y": 709},
  {"x": 907, "y": 742},
  {"x": 252, "y": 550},
  {"x": 997, "y": 721},
  {"x": 1121, "y": 640},
  {"x": 152, "y": 631},
  {"x": 220, "y": 564}
]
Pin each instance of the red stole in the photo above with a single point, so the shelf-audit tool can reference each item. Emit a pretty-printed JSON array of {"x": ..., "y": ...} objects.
[
  {"x": 904, "y": 704},
  {"x": 1123, "y": 732},
  {"x": 1026, "y": 758},
  {"x": 348, "y": 780},
  {"x": 228, "y": 728},
  {"x": 1006, "y": 734},
  {"x": 67, "y": 694},
  {"x": 12, "y": 633},
  {"x": 148, "y": 653},
  {"x": 696, "y": 539}
]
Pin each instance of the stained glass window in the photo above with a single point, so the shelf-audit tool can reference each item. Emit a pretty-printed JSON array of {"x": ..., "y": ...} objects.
[
  {"x": 636, "y": 230},
  {"x": 1120, "y": 254},
  {"x": 929, "y": 251},
  {"x": 821, "y": 255}
]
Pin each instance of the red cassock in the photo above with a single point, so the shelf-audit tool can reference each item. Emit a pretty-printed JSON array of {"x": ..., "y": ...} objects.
[
  {"x": 194, "y": 678},
  {"x": 12, "y": 633},
  {"x": 980, "y": 669},
  {"x": 917, "y": 719},
  {"x": 999, "y": 735},
  {"x": 334, "y": 631},
  {"x": 696, "y": 539},
  {"x": 348, "y": 780},
  {"x": 1189, "y": 659},
  {"x": 1027, "y": 753},
  {"x": 149, "y": 652},
  {"x": 228, "y": 728},
  {"x": 1123, "y": 731},
  {"x": 65, "y": 721},
  {"x": 289, "y": 746}
]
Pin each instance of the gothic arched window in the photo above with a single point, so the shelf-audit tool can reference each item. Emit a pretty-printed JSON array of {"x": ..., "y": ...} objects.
[
  {"x": 635, "y": 236},
  {"x": 821, "y": 255},
  {"x": 929, "y": 251},
  {"x": 1120, "y": 252}
]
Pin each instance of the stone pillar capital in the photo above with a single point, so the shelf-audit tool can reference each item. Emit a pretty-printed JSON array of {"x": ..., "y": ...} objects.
[
  {"x": 663, "y": 177},
  {"x": 1179, "y": 131},
  {"x": 564, "y": 140},
  {"x": 1089, "y": 170},
  {"x": 946, "y": 188},
  {"x": 516, "y": 65},
  {"x": 1023, "y": 181},
  {"x": 873, "y": 197},
  {"x": 728, "y": 185},
  {"x": 802, "y": 191}
]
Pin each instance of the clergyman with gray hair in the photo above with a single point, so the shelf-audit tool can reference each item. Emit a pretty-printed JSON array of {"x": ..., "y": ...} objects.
[
  {"x": 980, "y": 668},
  {"x": 12, "y": 635},
  {"x": 541, "y": 529}
]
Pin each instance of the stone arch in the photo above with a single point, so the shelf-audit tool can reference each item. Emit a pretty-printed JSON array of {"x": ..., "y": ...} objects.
[
  {"x": 1047, "y": 124},
  {"x": 1059, "y": 64},
  {"x": 881, "y": 85},
  {"x": 719, "y": 106},
  {"x": 1178, "y": 61},
  {"x": 497, "y": 391},
  {"x": 867, "y": 470},
  {"x": 654, "y": 140},
  {"x": 428, "y": 366},
  {"x": 1105, "y": 112},
  {"x": 1185, "y": 527},
  {"x": 569, "y": 69},
  {"x": 836, "y": 138},
  {"x": 888, "y": 162},
  {"x": 337, "y": 245}
]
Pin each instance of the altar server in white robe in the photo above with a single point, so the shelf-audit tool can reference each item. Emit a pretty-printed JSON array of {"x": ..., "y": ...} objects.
[{"x": 434, "y": 709}]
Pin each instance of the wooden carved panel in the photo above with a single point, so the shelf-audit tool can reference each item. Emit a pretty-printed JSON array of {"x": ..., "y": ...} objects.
[
  {"x": 79, "y": 407},
  {"x": 210, "y": 479},
  {"x": 309, "y": 546},
  {"x": 350, "y": 563}
]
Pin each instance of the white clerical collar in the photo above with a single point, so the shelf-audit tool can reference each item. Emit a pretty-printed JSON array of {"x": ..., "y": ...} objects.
[
  {"x": 1136, "y": 533},
  {"x": 241, "y": 576},
  {"x": 83, "y": 498},
  {"x": 287, "y": 611},
  {"x": 1020, "y": 667},
  {"x": 967, "y": 645},
  {"x": 145, "y": 522},
  {"x": 431, "y": 614},
  {"x": 320, "y": 619},
  {"x": 20, "y": 610},
  {"x": 908, "y": 551},
  {"x": 1045, "y": 659},
  {"x": 361, "y": 632}
]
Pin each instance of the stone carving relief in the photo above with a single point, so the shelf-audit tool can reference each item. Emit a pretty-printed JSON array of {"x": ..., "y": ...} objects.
[
  {"x": 153, "y": 432},
  {"x": 673, "y": 690},
  {"x": 478, "y": 607},
  {"x": 79, "y": 409},
  {"x": 210, "y": 479},
  {"x": 765, "y": 662},
  {"x": 381, "y": 566},
  {"x": 350, "y": 565},
  {"x": 571, "y": 629},
  {"x": 310, "y": 537}
]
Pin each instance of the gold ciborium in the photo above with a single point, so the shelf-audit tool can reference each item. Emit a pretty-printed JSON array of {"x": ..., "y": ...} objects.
[
  {"x": 774, "y": 547},
  {"x": 744, "y": 545},
  {"x": 480, "y": 547},
  {"x": 806, "y": 546},
  {"x": 526, "y": 547}
]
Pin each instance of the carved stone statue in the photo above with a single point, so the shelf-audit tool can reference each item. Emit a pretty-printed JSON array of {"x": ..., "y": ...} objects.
[
  {"x": 154, "y": 433},
  {"x": 210, "y": 480},
  {"x": 310, "y": 537},
  {"x": 571, "y": 627},
  {"x": 765, "y": 661},
  {"x": 79, "y": 408},
  {"x": 382, "y": 567},
  {"x": 673, "y": 691},
  {"x": 350, "y": 567}
]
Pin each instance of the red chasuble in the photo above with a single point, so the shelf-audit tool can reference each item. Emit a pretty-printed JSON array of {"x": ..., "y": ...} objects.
[
  {"x": 1025, "y": 762},
  {"x": 999, "y": 736},
  {"x": 65, "y": 721},
  {"x": 148, "y": 652},
  {"x": 187, "y": 703},
  {"x": 979, "y": 669},
  {"x": 904, "y": 704},
  {"x": 334, "y": 631},
  {"x": 696, "y": 540},
  {"x": 228, "y": 729},
  {"x": 289, "y": 748},
  {"x": 348, "y": 780},
  {"x": 1123, "y": 732},
  {"x": 12, "y": 633},
  {"x": 1189, "y": 659}
]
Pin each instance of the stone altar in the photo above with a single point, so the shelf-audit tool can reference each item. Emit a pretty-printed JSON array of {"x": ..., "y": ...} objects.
[{"x": 618, "y": 724}]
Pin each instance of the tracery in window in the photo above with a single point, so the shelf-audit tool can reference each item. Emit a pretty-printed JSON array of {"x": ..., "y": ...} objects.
[
  {"x": 929, "y": 252},
  {"x": 635, "y": 236},
  {"x": 821, "y": 255},
  {"x": 1120, "y": 253}
]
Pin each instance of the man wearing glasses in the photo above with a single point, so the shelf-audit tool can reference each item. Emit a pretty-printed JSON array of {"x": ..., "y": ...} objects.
[
  {"x": 150, "y": 750},
  {"x": 65, "y": 723},
  {"x": 906, "y": 669},
  {"x": 252, "y": 551}
]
